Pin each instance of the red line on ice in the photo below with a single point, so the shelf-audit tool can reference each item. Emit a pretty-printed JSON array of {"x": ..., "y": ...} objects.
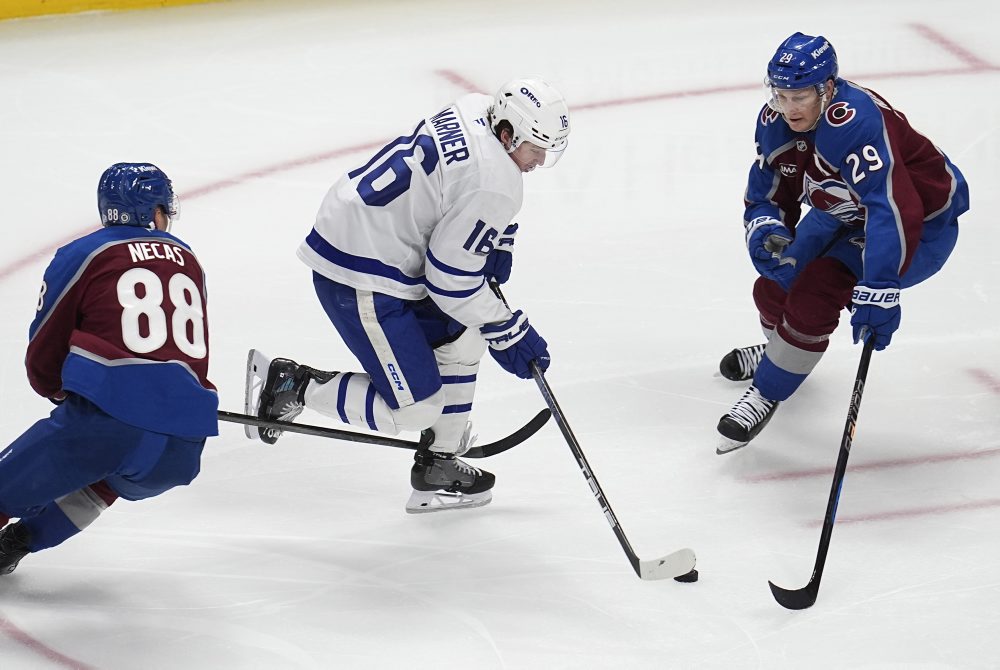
[
  {"x": 960, "y": 52},
  {"x": 459, "y": 81},
  {"x": 874, "y": 465},
  {"x": 987, "y": 378},
  {"x": 19, "y": 636},
  {"x": 914, "y": 512}
]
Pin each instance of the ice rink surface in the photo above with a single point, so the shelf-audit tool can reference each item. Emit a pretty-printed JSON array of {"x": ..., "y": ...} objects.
[{"x": 630, "y": 261}]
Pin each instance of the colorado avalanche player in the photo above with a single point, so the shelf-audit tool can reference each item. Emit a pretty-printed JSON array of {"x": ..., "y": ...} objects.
[
  {"x": 120, "y": 344},
  {"x": 883, "y": 206},
  {"x": 401, "y": 252}
]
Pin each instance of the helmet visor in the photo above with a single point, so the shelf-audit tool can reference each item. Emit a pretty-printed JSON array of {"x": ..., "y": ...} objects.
[
  {"x": 529, "y": 155},
  {"x": 552, "y": 156},
  {"x": 172, "y": 210},
  {"x": 788, "y": 100}
]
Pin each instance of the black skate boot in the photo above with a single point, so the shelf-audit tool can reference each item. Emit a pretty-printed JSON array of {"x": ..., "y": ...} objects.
[
  {"x": 740, "y": 364},
  {"x": 282, "y": 397},
  {"x": 443, "y": 481},
  {"x": 745, "y": 420},
  {"x": 14, "y": 540}
]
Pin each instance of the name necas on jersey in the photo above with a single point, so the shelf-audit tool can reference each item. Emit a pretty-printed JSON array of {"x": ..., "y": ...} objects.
[
  {"x": 421, "y": 216},
  {"x": 122, "y": 321},
  {"x": 864, "y": 165}
]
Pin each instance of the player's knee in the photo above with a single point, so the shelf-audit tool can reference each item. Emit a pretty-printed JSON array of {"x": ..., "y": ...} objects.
[
  {"x": 421, "y": 414},
  {"x": 769, "y": 298},
  {"x": 468, "y": 349}
]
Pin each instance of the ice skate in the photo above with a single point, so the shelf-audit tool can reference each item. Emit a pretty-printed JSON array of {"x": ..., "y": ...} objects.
[
  {"x": 443, "y": 481},
  {"x": 745, "y": 420},
  {"x": 14, "y": 540},
  {"x": 275, "y": 390},
  {"x": 740, "y": 364}
]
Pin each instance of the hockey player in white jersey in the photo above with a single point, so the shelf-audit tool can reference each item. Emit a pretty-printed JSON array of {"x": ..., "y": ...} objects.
[{"x": 402, "y": 252}]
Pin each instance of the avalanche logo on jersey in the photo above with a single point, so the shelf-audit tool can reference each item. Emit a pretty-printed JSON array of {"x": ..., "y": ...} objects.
[
  {"x": 832, "y": 197},
  {"x": 768, "y": 115},
  {"x": 839, "y": 113}
]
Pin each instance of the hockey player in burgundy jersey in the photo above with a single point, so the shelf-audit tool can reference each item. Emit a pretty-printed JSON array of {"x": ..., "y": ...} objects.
[
  {"x": 882, "y": 214},
  {"x": 120, "y": 344}
]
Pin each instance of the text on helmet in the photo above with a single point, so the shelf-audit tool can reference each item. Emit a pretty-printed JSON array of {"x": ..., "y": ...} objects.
[
  {"x": 531, "y": 96},
  {"x": 816, "y": 53}
]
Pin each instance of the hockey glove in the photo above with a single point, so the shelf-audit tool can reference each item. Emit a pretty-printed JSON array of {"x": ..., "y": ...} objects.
[
  {"x": 766, "y": 240},
  {"x": 501, "y": 259},
  {"x": 875, "y": 312},
  {"x": 514, "y": 344}
]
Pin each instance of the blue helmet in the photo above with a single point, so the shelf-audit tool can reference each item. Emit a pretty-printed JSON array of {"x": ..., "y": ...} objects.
[
  {"x": 128, "y": 194},
  {"x": 802, "y": 61}
]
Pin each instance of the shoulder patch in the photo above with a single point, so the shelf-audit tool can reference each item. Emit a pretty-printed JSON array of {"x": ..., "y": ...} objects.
[
  {"x": 839, "y": 113},
  {"x": 768, "y": 115}
]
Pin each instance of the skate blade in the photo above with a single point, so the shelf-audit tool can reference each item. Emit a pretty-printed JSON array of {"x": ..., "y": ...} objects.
[
  {"x": 257, "y": 365},
  {"x": 727, "y": 445},
  {"x": 423, "y": 502}
]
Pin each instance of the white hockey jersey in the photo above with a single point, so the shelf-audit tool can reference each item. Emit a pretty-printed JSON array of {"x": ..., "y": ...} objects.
[{"x": 421, "y": 216}]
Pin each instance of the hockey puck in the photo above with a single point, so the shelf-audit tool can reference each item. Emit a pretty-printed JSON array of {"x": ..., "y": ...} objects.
[{"x": 688, "y": 577}]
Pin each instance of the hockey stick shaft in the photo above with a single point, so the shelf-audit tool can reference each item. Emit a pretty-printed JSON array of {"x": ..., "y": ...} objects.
[
  {"x": 581, "y": 461},
  {"x": 803, "y": 598},
  {"x": 680, "y": 562},
  {"x": 483, "y": 451}
]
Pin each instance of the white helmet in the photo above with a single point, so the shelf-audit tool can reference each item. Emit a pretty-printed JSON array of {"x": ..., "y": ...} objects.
[{"x": 537, "y": 113}]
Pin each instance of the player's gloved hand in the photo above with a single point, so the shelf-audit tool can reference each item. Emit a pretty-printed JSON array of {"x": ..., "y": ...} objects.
[
  {"x": 875, "y": 312},
  {"x": 514, "y": 344},
  {"x": 766, "y": 240},
  {"x": 498, "y": 265},
  {"x": 501, "y": 259},
  {"x": 58, "y": 398}
]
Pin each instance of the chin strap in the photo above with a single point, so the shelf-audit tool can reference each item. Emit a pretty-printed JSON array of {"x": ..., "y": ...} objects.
[{"x": 824, "y": 102}]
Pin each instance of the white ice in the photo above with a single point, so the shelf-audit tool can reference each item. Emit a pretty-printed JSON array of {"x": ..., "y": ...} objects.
[{"x": 630, "y": 261}]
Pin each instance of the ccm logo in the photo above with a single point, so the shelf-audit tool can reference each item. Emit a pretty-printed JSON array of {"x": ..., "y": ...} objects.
[{"x": 394, "y": 376}]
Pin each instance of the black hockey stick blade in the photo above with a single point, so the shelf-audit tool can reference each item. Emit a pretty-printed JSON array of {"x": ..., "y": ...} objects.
[
  {"x": 796, "y": 599},
  {"x": 482, "y": 451}
]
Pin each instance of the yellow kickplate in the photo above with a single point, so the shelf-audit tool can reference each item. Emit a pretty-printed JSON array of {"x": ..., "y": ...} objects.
[{"x": 11, "y": 9}]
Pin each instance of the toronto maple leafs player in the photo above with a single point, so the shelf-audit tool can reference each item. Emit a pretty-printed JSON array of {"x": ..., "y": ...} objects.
[
  {"x": 120, "y": 344},
  {"x": 401, "y": 252},
  {"x": 882, "y": 214}
]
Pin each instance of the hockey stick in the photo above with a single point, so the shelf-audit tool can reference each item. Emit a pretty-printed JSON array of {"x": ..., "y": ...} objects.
[
  {"x": 800, "y": 599},
  {"x": 482, "y": 451},
  {"x": 678, "y": 565}
]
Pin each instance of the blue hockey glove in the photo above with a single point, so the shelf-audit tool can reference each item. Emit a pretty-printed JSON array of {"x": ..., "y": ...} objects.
[
  {"x": 766, "y": 240},
  {"x": 501, "y": 259},
  {"x": 875, "y": 312},
  {"x": 498, "y": 265},
  {"x": 514, "y": 344}
]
